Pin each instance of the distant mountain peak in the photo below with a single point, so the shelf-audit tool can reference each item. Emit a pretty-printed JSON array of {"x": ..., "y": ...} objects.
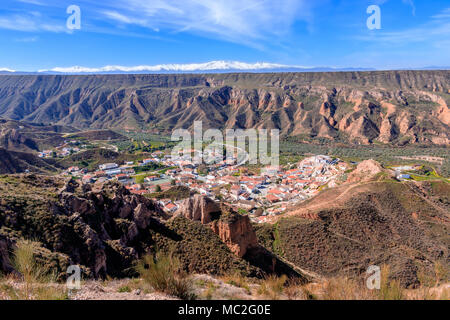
[{"x": 190, "y": 67}]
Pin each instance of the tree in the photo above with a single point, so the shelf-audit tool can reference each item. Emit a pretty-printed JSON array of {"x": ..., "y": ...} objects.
[{"x": 158, "y": 188}]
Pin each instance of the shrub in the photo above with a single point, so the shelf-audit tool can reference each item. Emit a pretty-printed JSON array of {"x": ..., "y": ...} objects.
[
  {"x": 343, "y": 288},
  {"x": 164, "y": 274},
  {"x": 38, "y": 283},
  {"x": 124, "y": 289},
  {"x": 297, "y": 290},
  {"x": 389, "y": 289},
  {"x": 272, "y": 286},
  {"x": 236, "y": 279}
]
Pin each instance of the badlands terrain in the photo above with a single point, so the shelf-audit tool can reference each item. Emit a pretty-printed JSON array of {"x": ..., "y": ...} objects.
[{"x": 394, "y": 107}]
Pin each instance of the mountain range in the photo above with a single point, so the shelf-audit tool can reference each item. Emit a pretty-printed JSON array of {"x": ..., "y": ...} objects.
[
  {"x": 219, "y": 66},
  {"x": 394, "y": 107}
]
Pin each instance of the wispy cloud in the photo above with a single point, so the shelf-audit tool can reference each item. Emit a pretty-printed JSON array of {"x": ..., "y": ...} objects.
[
  {"x": 232, "y": 20},
  {"x": 445, "y": 14},
  {"x": 35, "y": 2},
  {"x": 248, "y": 22},
  {"x": 114, "y": 15},
  {"x": 30, "y": 22}
]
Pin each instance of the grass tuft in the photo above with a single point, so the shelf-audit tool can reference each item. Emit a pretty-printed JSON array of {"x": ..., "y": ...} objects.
[
  {"x": 164, "y": 274},
  {"x": 35, "y": 282}
]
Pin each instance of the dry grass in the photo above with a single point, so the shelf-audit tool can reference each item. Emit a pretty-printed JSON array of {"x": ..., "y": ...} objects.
[
  {"x": 164, "y": 274},
  {"x": 390, "y": 289},
  {"x": 237, "y": 280},
  {"x": 437, "y": 293},
  {"x": 272, "y": 286},
  {"x": 343, "y": 288},
  {"x": 34, "y": 282},
  {"x": 295, "y": 290}
]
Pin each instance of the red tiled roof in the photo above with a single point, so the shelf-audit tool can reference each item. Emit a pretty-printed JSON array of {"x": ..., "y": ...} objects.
[
  {"x": 170, "y": 206},
  {"x": 141, "y": 192},
  {"x": 275, "y": 191},
  {"x": 272, "y": 198}
]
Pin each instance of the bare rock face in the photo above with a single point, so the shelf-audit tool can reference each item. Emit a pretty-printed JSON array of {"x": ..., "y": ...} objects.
[
  {"x": 232, "y": 228},
  {"x": 364, "y": 171},
  {"x": 199, "y": 208},
  {"x": 142, "y": 216},
  {"x": 236, "y": 232},
  {"x": 94, "y": 255}
]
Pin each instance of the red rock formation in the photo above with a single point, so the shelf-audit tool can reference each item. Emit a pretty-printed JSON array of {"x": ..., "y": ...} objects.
[
  {"x": 236, "y": 232},
  {"x": 233, "y": 229},
  {"x": 198, "y": 208}
]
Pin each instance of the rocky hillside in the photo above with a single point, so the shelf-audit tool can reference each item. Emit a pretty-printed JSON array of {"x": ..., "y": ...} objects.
[
  {"x": 28, "y": 137},
  {"x": 107, "y": 229},
  {"x": 343, "y": 231},
  {"x": 17, "y": 162},
  {"x": 396, "y": 107},
  {"x": 21, "y": 141}
]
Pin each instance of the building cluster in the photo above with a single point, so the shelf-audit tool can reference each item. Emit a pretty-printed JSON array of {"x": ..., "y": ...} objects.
[
  {"x": 65, "y": 149},
  {"x": 267, "y": 192}
]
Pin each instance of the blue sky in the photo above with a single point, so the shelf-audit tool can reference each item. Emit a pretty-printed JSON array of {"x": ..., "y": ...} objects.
[{"x": 332, "y": 33}]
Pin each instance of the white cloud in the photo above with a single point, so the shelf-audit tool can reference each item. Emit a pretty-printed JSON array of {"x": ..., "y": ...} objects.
[
  {"x": 36, "y": 2},
  {"x": 192, "y": 67},
  {"x": 233, "y": 20},
  {"x": 114, "y": 15},
  {"x": 256, "y": 23},
  {"x": 445, "y": 14},
  {"x": 30, "y": 22}
]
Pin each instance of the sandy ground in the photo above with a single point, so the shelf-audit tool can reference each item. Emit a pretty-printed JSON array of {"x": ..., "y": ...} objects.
[{"x": 93, "y": 290}]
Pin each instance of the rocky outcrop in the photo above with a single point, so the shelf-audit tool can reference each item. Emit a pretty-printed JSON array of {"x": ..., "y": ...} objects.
[
  {"x": 5, "y": 263},
  {"x": 70, "y": 186},
  {"x": 199, "y": 208},
  {"x": 236, "y": 232},
  {"x": 103, "y": 231},
  {"x": 233, "y": 229},
  {"x": 365, "y": 170}
]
